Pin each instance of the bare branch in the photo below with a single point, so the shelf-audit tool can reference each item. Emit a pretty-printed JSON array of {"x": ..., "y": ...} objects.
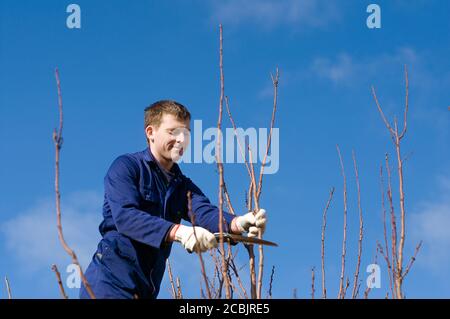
[
  {"x": 8, "y": 287},
  {"x": 368, "y": 289},
  {"x": 406, "y": 104},
  {"x": 324, "y": 225},
  {"x": 241, "y": 149},
  {"x": 253, "y": 180},
  {"x": 58, "y": 278},
  {"x": 390, "y": 274},
  {"x": 179, "y": 293},
  {"x": 388, "y": 126},
  {"x": 341, "y": 294},
  {"x": 402, "y": 219},
  {"x": 347, "y": 284},
  {"x": 269, "y": 139},
  {"x": 236, "y": 273},
  {"x": 258, "y": 288},
  {"x": 261, "y": 267},
  {"x": 228, "y": 200},
  {"x": 413, "y": 259},
  {"x": 57, "y": 138},
  {"x": 202, "y": 264},
  {"x": 360, "y": 229},
  {"x": 220, "y": 167},
  {"x": 271, "y": 281},
  {"x": 251, "y": 260},
  {"x": 249, "y": 196},
  {"x": 393, "y": 230},
  {"x": 172, "y": 285}
]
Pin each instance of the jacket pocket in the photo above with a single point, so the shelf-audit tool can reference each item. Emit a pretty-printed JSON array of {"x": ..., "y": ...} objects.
[{"x": 113, "y": 246}]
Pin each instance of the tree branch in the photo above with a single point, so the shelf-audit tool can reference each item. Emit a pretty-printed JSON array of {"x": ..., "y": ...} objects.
[{"x": 58, "y": 140}]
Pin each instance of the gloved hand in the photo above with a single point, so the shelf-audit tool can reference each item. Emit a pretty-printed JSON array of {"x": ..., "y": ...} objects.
[
  {"x": 252, "y": 223},
  {"x": 200, "y": 242}
]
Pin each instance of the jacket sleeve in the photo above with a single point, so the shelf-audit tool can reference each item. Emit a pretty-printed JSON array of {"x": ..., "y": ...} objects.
[
  {"x": 122, "y": 194},
  {"x": 206, "y": 215}
]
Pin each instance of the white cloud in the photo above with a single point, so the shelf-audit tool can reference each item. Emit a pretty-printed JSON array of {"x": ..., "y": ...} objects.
[
  {"x": 347, "y": 69},
  {"x": 342, "y": 69},
  {"x": 432, "y": 224},
  {"x": 271, "y": 13},
  {"x": 32, "y": 238}
]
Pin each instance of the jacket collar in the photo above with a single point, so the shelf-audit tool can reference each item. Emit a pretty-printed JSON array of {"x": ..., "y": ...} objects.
[{"x": 148, "y": 156}]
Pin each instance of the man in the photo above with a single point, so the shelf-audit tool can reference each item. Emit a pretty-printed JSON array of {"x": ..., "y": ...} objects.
[{"x": 145, "y": 200}]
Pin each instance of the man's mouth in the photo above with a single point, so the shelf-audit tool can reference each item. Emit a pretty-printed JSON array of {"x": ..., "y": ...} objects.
[{"x": 179, "y": 150}]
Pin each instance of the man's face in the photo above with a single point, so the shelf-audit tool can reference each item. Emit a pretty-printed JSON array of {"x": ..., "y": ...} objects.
[{"x": 170, "y": 139}]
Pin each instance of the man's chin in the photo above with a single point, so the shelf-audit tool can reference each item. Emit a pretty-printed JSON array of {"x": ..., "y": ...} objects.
[{"x": 176, "y": 155}]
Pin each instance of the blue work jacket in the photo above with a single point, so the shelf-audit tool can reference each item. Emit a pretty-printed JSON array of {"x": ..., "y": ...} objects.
[{"x": 139, "y": 210}]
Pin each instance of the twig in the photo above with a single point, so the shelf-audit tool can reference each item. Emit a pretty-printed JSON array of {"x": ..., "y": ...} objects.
[
  {"x": 390, "y": 275},
  {"x": 179, "y": 293},
  {"x": 341, "y": 294},
  {"x": 271, "y": 281},
  {"x": 405, "y": 122},
  {"x": 324, "y": 225},
  {"x": 312, "y": 283},
  {"x": 258, "y": 192},
  {"x": 172, "y": 285},
  {"x": 394, "y": 261},
  {"x": 347, "y": 284},
  {"x": 261, "y": 267},
  {"x": 250, "y": 248},
  {"x": 220, "y": 167},
  {"x": 249, "y": 196},
  {"x": 229, "y": 258},
  {"x": 228, "y": 200},
  {"x": 388, "y": 126},
  {"x": 357, "y": 290},
  {"x": 8, "y": 288},
  {"x": 202, "y": 264},
  {"x": 251, "y": 264},
  {"x": 202, "y": 293},
  {"x": 57, "y": 138},
  {"x": 217, "y": 272},
  {"x": 413, "y": 259},
  {"x": 253, "y": 180},
  {"x": 396, "y": 138},
  {"x": 269, "y": 139},
  {"x": 58, "y": 278},
  {"x": 360, "y": 229},
  {"x": 236, "y": 273},
  {"x": 368, "y": 289},
  {"x": 241, "y": 149}
]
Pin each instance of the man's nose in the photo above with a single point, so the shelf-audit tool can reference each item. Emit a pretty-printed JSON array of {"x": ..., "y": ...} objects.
[{"x": 181, "y": 138}]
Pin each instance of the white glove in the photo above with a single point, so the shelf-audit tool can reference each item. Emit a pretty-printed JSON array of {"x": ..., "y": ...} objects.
[
  {"x": 252, "y": 223},
  {"x": 201, "y": 241}
]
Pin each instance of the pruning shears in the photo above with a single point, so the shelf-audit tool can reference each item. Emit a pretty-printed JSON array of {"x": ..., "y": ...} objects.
[{"x": 233, "y": 238}]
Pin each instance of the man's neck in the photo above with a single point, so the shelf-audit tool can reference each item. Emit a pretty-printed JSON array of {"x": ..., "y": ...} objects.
[{"x": 164, "y": 163}]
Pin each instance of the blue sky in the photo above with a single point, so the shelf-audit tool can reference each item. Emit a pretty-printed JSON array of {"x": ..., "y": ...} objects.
[{"x": 129, "y": 54}]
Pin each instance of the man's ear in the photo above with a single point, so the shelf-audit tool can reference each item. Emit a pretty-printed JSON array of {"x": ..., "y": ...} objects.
[{"x": 149, "y": 133}]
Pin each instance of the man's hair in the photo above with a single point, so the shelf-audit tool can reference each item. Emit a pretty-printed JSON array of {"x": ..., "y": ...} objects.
[{"x": 153, "y": 114}]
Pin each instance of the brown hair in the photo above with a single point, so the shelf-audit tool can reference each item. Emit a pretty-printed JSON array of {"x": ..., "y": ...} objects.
[{"x": 154, "y": 113}]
